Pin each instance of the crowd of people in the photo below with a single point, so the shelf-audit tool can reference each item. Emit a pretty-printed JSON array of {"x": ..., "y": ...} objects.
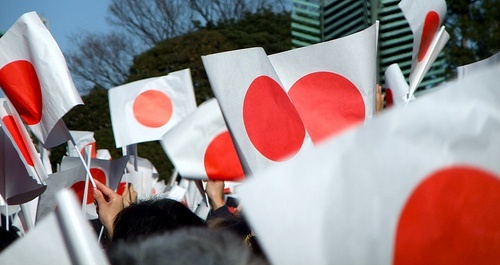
[{"x": 165, "y": 231}]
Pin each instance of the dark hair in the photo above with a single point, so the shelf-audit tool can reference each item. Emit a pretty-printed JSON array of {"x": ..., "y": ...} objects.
[
  {"x": 151, "y": 217},
  {"x": 185, "y": 246},
  {"x": 6, "y": 237}
]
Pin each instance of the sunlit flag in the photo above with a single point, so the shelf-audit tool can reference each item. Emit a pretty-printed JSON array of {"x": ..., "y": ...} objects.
[
  {"x": 426, "y": 191},
  {"x": 22, "y": 174},
  {"x": 82, "y": 139},
  {"x": 331, "y": 84},
  {"x": 264, "y": 124},
  {"x": 200, "y": 146},
  {"x": 144, "y": 110},
  {"x": 425, "y": 19},
  {"x": 36, "y": 80}
]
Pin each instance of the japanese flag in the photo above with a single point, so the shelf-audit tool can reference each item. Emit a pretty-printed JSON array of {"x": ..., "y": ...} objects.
[
  {"x": 331, "y": 84},
  {"x": 82, "y": 139},
  {"x": 22, "y": 172},
  {"x": 58, "y": 181},
  {"x": 36, "y": 80},
  {"x": 396, "y": 88},
  {"x": 262, "y": 120},
  {"x": 426, "y": 193},
  {"x": 143, "y": 179},
  {"x": 425, "y": 19},
  {"x": 200, "y": 146},
  {"x": 72, "y": 175},
  {"x": 144, "y": 110}
]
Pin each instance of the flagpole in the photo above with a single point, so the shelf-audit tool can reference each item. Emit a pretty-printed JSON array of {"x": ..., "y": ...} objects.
[
  {"x": 7, "y": 225},
  {"x": 100, "y": 234},
  {"x": 89, "y": 175},
  {"x": 125, "y": 170},
  {"x": 88, "y": 151}
]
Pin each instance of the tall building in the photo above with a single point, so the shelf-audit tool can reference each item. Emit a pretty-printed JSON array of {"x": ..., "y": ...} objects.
[{"x": 314, "y": 21}]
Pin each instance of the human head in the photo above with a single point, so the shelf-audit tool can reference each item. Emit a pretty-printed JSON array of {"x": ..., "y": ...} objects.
[
  {"x": 185, "y": 246},
  {"x": 6, "y": 238},
  {"x": 151, "y": 217}
]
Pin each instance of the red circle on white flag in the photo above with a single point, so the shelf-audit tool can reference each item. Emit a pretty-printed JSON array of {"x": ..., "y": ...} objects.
[
  {"x": 78, "y": 187},
  {"x": 328, "y": 103},
  {"x": 10, "y": 123},
  {"x": 21, "y": 85},
  {"x": 152, "y": 108},
  {"x": 451, "y": 218},
  {"x": 430, "y": 28},
  {"x": 121, "y": 188},
  {"x": 271, "y": 121},
  {"x": 389, "y": 98},
  {"x": 221, "y": 160}
]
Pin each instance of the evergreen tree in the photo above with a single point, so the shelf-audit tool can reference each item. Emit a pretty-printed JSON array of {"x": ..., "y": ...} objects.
[{"x": 474, "y": 27}]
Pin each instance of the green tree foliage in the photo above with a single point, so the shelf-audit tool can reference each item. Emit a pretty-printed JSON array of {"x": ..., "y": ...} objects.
[
  {"x": 474, "y": 27},
  {"x": 93, "y": 116},
  {"x": 180, "y": 53},
  {"x": 265, "y": 29}
]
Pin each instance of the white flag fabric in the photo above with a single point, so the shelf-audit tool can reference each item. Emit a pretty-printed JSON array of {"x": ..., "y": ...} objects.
[
  {"x": 194, "y": 195},
  {"x": 426, "y": 193},
  {"x": 27, "y": 216},
  {"x": 144, "y": 110},
  {"x": 425, "y": 19},
  {"x": 36, "y": 80},
  {"x": 58, "y": 181},
  {"x": 82, "y": 139},
  {"x": 396, "y": 88},
  {"x": 200, "y": 146},
  {"x": 42, "y": 245},
  {"x": 263, "y": 122},
  {"x": 63, "y": 237},
  {"x": 143, "y": 179},
  {"x": 8, "y": 210},
  {"x": 143, "y": 165},
  {"x": 45, "y": 157},
  {"x": 464, "y": 70},
  {"x": 103, "y": 154},
  {"x": 331, "y": 84},
  {"x": 22, "y": 172},
  {"x": 79, "y": 237}
]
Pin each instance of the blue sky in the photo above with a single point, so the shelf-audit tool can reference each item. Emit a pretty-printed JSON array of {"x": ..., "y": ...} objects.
[{"x": 66, "y": 17}]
